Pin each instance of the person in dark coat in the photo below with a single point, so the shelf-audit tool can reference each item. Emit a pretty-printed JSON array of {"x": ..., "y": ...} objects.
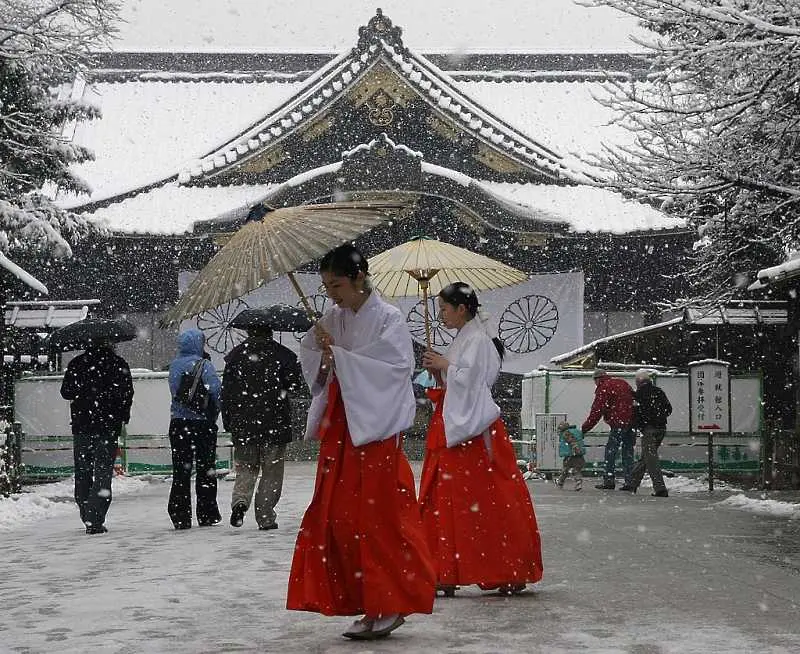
[
  {"x": 650, "y": 417},
  {"x": 259, "y": 375},
  {"x": 193, "y": 438},
  {"x": 613, "y": 402},
  {"x": 99, "y": 387}
]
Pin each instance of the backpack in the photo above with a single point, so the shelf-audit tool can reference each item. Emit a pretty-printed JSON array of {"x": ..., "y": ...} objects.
[{"x": 192, "y": 392}]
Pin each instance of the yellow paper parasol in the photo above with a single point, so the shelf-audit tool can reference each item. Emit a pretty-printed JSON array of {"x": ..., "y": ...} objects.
[
  {"x": 279, "y": 243},
  {"x": 427, "y": 265}
]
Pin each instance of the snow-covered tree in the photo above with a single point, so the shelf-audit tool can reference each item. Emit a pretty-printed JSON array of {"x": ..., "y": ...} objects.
[
  {"x": 716, "y": 130},
  {"x": 44, "y": 44}
]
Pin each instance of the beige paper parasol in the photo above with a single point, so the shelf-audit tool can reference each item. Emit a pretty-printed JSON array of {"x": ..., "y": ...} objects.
[
  {"x": 279, "y": 243},
  {"x": 427, "y": 265}
]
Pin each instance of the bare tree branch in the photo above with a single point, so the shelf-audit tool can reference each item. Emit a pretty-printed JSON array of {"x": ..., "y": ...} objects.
[{"x": 714, "y": 130}]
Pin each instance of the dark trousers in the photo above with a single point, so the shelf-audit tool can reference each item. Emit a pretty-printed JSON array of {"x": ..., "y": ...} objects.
[
  {"x": 94, "y": 467},
  {"x": 619, "y": 437},
  {"x": 193, "y": 441},
  {"x": 651, "y": 440}
]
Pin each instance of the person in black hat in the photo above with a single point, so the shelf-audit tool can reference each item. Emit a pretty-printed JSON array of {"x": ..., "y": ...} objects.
[
  {"x": 99, "y": 387},
  {"x": 259, "y": 376}
]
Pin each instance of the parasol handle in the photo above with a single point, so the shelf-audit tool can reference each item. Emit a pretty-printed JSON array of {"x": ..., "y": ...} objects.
[
  {"x": 424, "y": 285},
  {"x": 309, "y": 309},
  {"x": 312, "y": 316}
]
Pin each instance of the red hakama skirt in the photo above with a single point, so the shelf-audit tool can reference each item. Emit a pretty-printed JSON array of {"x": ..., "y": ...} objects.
[
  {"x": 361, "y": 546},
  {"x": 477, "y": 510}
]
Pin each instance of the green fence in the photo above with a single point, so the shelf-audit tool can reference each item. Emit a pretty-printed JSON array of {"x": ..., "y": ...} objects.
[{"x": 49, "y": 458}]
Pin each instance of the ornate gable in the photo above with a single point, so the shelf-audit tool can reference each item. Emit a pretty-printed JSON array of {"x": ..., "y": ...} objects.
[{"x": 379, "y": 86}]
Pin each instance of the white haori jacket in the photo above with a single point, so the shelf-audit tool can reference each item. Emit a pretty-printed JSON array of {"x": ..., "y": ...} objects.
[
  {"x": 469, "y": 409},
  {"x": 374, "y": 361}
]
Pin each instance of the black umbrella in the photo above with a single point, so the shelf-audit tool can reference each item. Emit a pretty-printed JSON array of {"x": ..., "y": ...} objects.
[
  {"x": 92, "y": 331},
  {"x": 278, "y": 318}
]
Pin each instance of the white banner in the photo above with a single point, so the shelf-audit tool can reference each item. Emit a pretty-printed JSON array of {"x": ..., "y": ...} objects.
[{"x": 535, "y": 320}]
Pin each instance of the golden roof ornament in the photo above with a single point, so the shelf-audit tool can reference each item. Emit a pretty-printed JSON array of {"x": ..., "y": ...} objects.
[{"x": 379, "y": 27}]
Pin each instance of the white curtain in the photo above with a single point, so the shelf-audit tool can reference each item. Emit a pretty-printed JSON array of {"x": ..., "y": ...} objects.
[{"x": 535, "y": 320}]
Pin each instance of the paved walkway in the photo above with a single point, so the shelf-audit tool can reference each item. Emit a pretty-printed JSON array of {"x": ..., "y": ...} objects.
[{"x": 622, "y": 574}]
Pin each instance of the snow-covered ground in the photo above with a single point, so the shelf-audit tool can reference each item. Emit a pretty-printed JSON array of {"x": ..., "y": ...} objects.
[
  {"x": 44, "y": 501},
  {"x": 623, "y": 573},
  {"x": 41, "y": 502},
  {"x": 764, "y": 506}
]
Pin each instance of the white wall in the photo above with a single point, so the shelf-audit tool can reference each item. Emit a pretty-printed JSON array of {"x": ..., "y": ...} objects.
[{"x": 572, "y": 393}]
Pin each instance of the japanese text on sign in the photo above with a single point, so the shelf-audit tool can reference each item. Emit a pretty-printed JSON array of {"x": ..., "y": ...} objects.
[{"x": 709, "y": 396}]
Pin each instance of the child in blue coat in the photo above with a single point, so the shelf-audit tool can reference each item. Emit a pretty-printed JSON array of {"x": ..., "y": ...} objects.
[{"x": 572, "y": 451}]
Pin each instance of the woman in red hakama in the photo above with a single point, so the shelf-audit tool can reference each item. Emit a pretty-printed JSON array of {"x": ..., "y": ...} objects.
[
  {"x": 476, "y": 508},
  {"x": 361, "y": 547}
]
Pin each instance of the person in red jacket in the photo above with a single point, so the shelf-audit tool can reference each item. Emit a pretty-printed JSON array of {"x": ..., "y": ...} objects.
[{"x": 613, "y": 402}]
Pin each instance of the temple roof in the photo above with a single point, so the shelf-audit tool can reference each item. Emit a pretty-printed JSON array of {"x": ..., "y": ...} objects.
[
  {"x": 152, "y": 129},
  {"x": 173, "y": 209},
  {"x": 182, "y": 142},
  {"x": 383, "y": 76}
]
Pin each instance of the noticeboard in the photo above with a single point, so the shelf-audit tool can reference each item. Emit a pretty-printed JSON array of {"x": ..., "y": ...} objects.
[
  {"x": 547, "y": 457},
  {"x": 709, "y": 397}
]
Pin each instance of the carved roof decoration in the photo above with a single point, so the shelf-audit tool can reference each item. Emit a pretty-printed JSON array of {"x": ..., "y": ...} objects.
[
  {"x": 380, "y": 50},
  {"x": 476, "y": 205},
  {"x": 381, "y": 162}
]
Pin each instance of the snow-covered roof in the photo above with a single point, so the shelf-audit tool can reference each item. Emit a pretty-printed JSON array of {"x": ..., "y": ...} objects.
[
  {"x": 740, "y": 312},
  {"x": 587, "y": 349},
  {"x": 150, "y": 129},
  {"x": 311, "y": 25},
  {"x": 380, "y": 45},
  {"x": 162, "y": 129},
  {"x": 561, "y": 115},
  {"x": 172, "y": 209},
  {"x": 47, "y": 315},
  {"x": 587, "y": 208}
]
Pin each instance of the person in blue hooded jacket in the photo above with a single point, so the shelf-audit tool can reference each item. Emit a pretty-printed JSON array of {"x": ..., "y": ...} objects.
[{"x": 193, "y": 438}]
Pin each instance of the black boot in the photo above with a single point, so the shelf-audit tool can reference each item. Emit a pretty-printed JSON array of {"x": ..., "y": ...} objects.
[
  {"x": 96, "y": 529},
  {"x": 237, "y": 515},
  {"x": 661, "y": 493}
]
